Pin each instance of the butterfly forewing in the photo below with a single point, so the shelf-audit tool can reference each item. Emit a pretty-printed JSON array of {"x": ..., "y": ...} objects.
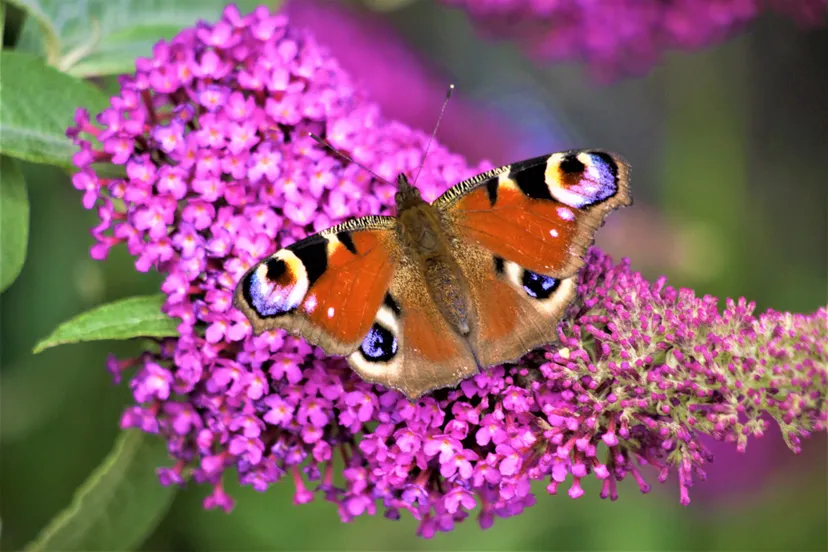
[
  {"x": 541, "y": 213},
  {"x": 326, "y": 288}
]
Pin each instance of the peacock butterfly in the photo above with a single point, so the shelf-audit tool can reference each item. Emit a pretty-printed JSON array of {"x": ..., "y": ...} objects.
[{"x": 425, "y": 299}]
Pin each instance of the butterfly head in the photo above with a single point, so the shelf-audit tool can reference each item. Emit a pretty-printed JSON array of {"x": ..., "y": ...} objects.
[{"x": 407, "y": 196}]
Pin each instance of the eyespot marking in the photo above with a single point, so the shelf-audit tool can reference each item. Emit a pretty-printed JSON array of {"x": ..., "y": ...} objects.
[
  {"x": 582, "y": 179},
  {"x": 275, "y": 269},
  {"x": 276, "y": 286},
  {"x": 499, "y": 265},
  {"x": 571, "y": 165},
  {"x": 539, "y": 286},
  {"x": 379, "y": 345}
]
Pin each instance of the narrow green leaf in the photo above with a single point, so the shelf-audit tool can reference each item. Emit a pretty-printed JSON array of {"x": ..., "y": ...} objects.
[
  {"x": 124, "y": 319},
  {"x": 37, "y": 105},
  {"x": 14, "y": 221},
  {"x": 103, "y": 37},
  {"x": 119, "y": 505}
]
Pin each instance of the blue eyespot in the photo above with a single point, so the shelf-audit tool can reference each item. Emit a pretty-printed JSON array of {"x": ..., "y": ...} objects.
[
  {"x": 586, "y": 185},
  {"x": 539, "y": 286},
  {"x": 379, "y": 345},
  {"x": 270, "y": 291}
]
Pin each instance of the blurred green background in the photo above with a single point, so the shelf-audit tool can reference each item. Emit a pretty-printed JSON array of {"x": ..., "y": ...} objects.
[{"x": 728, "y": 147}]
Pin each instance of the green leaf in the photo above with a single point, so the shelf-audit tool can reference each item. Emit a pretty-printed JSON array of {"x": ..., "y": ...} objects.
[
  {"x": 103, "y": 37},
  {"x": 37, "y": 105},
  {"x": 119, "y": 505},
  {"x": 124, "y": 319},
  {"x": 14, "y": 221}
]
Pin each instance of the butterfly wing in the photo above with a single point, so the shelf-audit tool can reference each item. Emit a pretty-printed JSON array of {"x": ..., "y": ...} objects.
[
  {"x": 410, "y": 346},
  {"x": 541, "y": 213},
  {"x": 521, "y": 233},
  {"x": 517, "y": 310},
  {"x": 327, "y": 287}
]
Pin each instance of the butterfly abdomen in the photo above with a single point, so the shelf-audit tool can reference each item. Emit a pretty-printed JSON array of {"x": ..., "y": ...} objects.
[
  {"x": 445, "y": 285},
  {"x": 427, "y": 243}
]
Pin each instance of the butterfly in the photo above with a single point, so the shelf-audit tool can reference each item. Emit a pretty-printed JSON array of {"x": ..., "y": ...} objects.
[{"x": 424, "y": 299}]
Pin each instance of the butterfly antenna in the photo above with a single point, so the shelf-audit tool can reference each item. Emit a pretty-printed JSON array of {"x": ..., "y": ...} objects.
[
  {"x": 433, "y": 134},
  {"x": 344, "y": 156}
]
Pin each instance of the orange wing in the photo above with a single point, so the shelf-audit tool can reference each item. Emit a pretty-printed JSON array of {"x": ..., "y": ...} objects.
[
  {"x": 541, "y": 213},
  {"x": 517, "y": 310},
  {"x": 411, "y": 347},
  {"x": 326, "y": 288}
]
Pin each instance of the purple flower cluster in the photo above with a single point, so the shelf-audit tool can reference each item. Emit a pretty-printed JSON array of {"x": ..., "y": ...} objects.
[
  {"x": 218, "y": 171},
  {"x": 624, "y": 36}
]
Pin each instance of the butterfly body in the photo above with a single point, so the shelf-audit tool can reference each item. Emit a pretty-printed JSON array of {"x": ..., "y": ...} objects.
[
  {"x": 427, "y": 242},
  {"x": 427, "y": 298}
]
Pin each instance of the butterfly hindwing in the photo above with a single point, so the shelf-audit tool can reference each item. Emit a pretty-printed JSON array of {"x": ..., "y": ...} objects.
[
  {"x": 410, "y": 346},
  {"x": 517, "y": 310},
  {"x": 541, "y": 213},
  {"x": 327, "y": 287}
]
